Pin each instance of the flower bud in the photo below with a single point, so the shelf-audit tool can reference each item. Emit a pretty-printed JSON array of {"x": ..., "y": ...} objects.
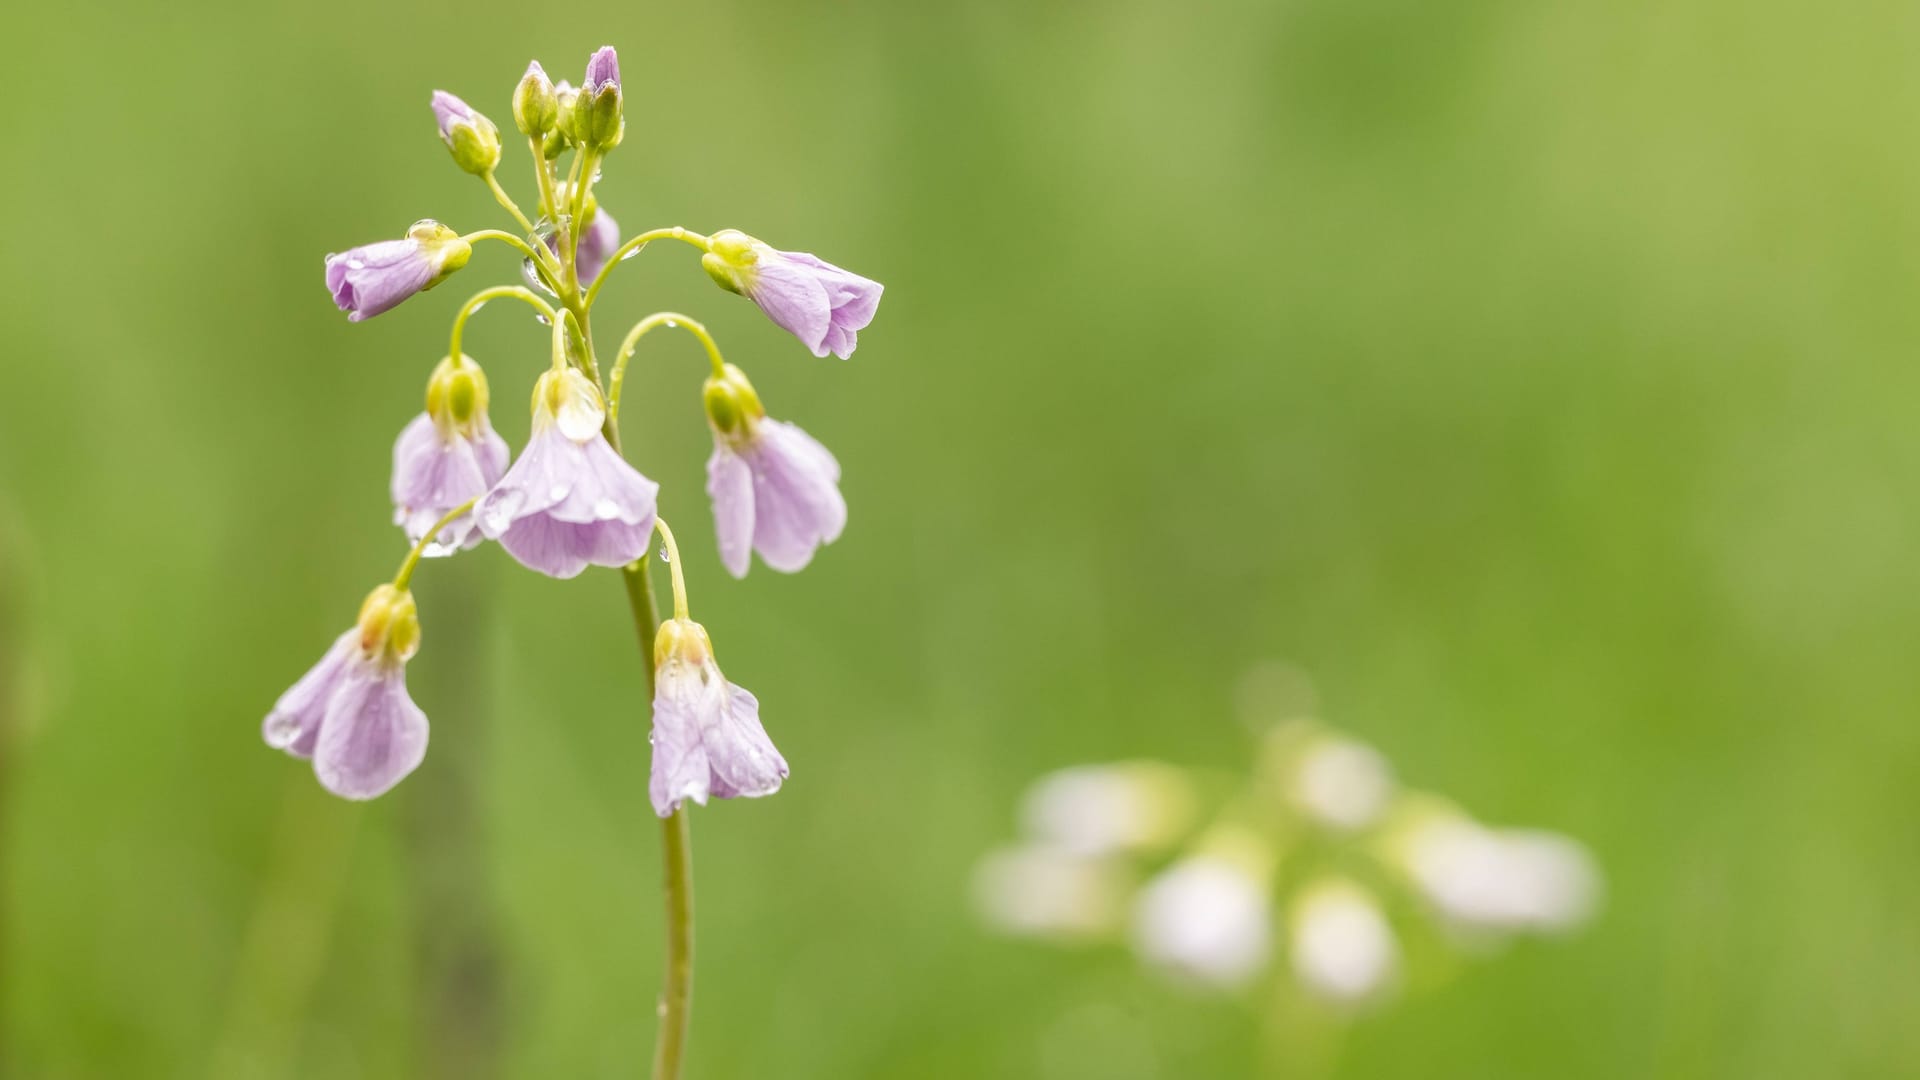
[
  {"x": 470, "y": 137},
  {"x": 730, "y": 258},
  {"x": 732, "y": 405},
  {"x": 535, "y": 105},
  {"x": 457, "y": 396},
  {"x": 389, "y": 625},
  {"x": 555, "y": 143},
  {"x": 599, "y": 123},
  {"x": 683, "y": 640},
  {"x": 566, "y": 115},
  {"x": 445, "y": 250}
]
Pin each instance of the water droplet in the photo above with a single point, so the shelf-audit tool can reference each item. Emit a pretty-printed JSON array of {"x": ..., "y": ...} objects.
[
  {"x": 558, "y": 492},
  {"x": 673, "y": 324},
  {"x": 606, "y": 509},
  {"x": 356, "y": 264},
  {"x": 476, "y": 307},
  {"x": 632, "y": 253},
  {"x": 665, "y": 555},
  {"x": 542, "y": 319}
]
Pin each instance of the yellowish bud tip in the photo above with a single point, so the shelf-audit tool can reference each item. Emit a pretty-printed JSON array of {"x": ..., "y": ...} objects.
[
  {"x": 570, "y": 399},
  {"x": 442, "y": 245},
  {"x": 389, "y": 625},
  {"x": 683, "y": 640},
  {"x": 732, "y": 405},
  {"x": 730, "y": 260},
  {"x": 457, "y": 397}
]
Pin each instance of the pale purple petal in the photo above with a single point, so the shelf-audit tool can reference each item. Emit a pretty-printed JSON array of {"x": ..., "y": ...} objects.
[
  {"x": 708, "y": 741},
  {"x": 566, "y": 505},
  {"x": 436, "y": 471},
  {"x": 597, "y": 244},
  {"x": 730, "y": 486},
  {"x": 294, "y": 723},
  {"x": 603, "y": 68},
  {"x": 449, "y": 110},
  {"x": 374, "y": 278},
  {"x": 373, "y": 734},
  {"x": 814, "y": 300},
  {"x": 797, "y": 505}
]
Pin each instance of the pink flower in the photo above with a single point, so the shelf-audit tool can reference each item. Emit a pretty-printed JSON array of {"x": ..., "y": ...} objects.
[
  {"x": 351, "y": 713},
  {"x": 775, "y": 489},
  {"x": 448, "y": 456},
  {"x": 815, "y": 301},
  {"x": 374, "y": 278},
  {"x": 570, "y": 500},
  {"x": 707, "y": 738}
]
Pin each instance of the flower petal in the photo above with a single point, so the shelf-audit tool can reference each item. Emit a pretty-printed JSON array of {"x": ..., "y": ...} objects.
[{"x": 373, "y": 734}]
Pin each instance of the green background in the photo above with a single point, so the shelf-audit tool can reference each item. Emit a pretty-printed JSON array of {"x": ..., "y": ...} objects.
[{"x": 1534, "y": 375}]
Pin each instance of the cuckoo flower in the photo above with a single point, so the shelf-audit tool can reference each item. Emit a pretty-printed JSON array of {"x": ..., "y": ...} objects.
[
  {"x": 470, "y": 137},
  {"x": 351, "y": 713},
  {"x": 815, "y": 301},
  {"x": 447, "y": 457},
  {"x": 1343, "y": 950},
  {"x": 775, "y": 489},
  {"x": 707, "y": 739},
  {"x": 373, "y": 278},
  {"x": 571, "y": 499},
  {"x": 1205, "y": 919}
]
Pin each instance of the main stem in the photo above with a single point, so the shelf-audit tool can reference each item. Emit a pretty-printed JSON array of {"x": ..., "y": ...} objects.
[{"x": 676, "y": 853}]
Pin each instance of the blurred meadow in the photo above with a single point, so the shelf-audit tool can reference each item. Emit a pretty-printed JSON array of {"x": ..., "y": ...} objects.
[{"x": 1536, "y": 376}]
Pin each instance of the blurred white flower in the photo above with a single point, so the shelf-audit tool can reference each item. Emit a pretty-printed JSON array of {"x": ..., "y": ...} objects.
[
  {"x": 1512, "y": 880},
  {"x": 1205, "y": 919},
  {"x": 1342, "y": 783},
  {"x": 1343, "y": 949},
  {"x": 1040, "y": 891},
  {"x": 1096, "y": 809}
]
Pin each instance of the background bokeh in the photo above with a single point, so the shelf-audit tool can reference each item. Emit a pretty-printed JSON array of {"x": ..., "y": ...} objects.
[{"x": 1535, "y": 375}]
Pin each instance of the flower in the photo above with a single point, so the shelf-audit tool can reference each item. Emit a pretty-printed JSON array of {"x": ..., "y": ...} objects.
[
  {"x": 815, "y": 301},
  {"x": 775, "y": 489},
  {"x": 571, "y": 499},
  {"x": 603, "y": 70},
  {"x": 1044, "y": 891},
  {"x": 448, "y": 456},
  {"x": 1343, "y": 949},
  {"x": 1483, "y": 879},
  {"x": 1105, "y": 809},
  {"x": 373, "y": 278},
  {"x": 1341, "y": 783},
  {"x": 350, "y": 713},
  {"x": 1205, "y": 919},
  {"x": 707, "y": 739},
  {"x": 470, "y": 137}
]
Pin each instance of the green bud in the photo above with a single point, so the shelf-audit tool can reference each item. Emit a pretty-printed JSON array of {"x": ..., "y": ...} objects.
[
  {"x": 457, "y": 395},
  {"x": 554, "y": 145},
  {"x": 535, "y": 105},
  {"x": 733, "y": 407},
  {"x": 448, "y": 250},
  {"x": 602, "y": 122},
  {"x": 721, "y": 273},
  {"x": 470, "y": 137},
  {"x": 389, "y": 625}
]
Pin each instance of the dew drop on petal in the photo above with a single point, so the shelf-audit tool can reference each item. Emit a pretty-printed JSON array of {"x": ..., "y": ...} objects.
[
  {"x": 558, "y": 492},
  {"x": 606, "y": 509}
]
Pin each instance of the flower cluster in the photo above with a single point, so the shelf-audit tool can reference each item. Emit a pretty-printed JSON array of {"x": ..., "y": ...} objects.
[
  {"x": 571, "y": 499},
  {"x": 1314, "y": 853}
]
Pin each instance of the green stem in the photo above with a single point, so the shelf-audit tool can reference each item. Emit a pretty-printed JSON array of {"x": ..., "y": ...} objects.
[
  {"x": 618, "y": 377},
  {"x": 500, "y": 196},
  {"x": 619, "y": 256},
  {"x": 543, "y": 170},
  {"x": 676, "y": 853},
  {"x": 473, "y": 304},
  {"x": 541, "y": 259},
  {"x": 401, "y": 579}
]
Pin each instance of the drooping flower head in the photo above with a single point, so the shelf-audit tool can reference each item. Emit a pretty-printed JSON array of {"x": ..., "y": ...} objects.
[
  {"x": 470, "y": 137},
  {"x": 351, "y": 713},
  {"x": 815, "y": 301},
  {"x": 373, "y": 278},
  {"x": 448, "y": 456},
  {"x": 571, "y": 500},
  {"x": 1206, "y": 918},
  {"x": 599, "y": 123},
  {"x": 707, "y": 738},
  {"x": 1343, "y": 950},
  {"x": 775, "y": 489}
]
